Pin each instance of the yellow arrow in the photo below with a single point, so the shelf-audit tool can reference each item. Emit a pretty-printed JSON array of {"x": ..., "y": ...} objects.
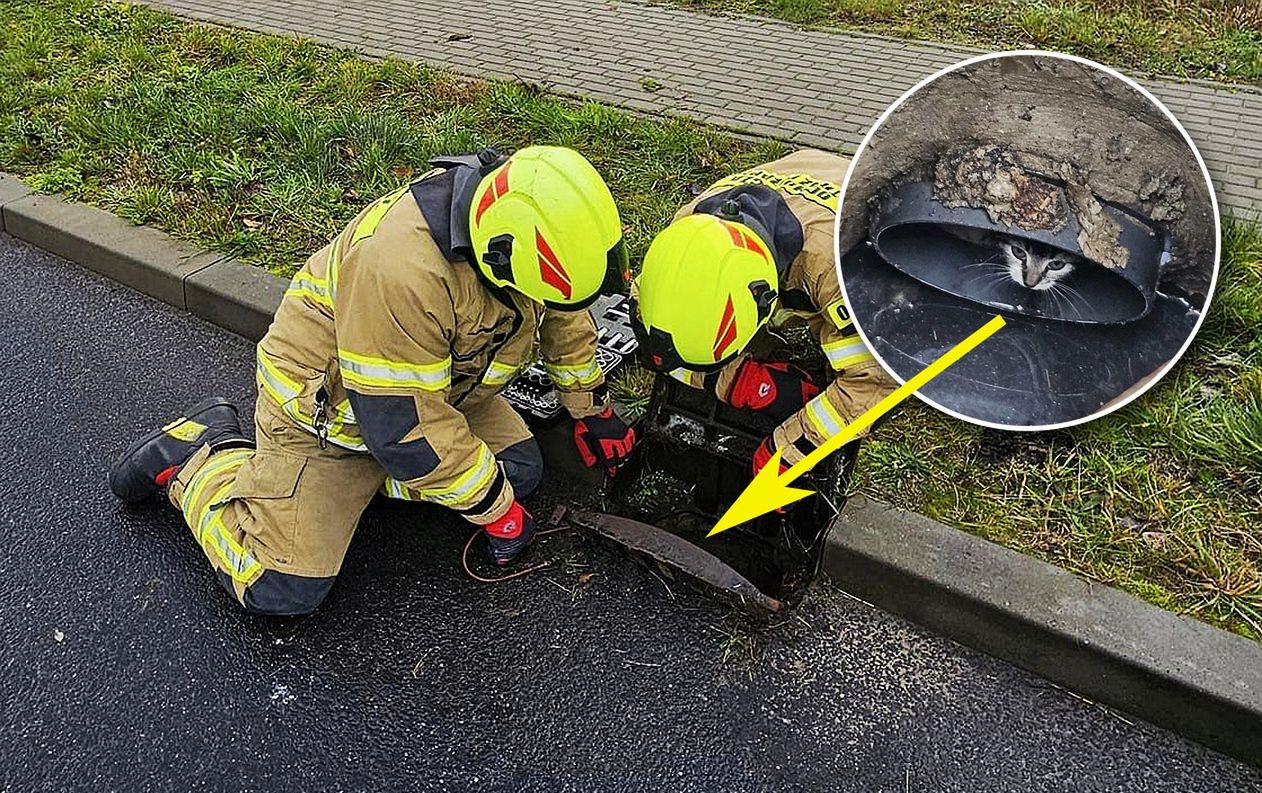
[{"x": 769, "y": 491}]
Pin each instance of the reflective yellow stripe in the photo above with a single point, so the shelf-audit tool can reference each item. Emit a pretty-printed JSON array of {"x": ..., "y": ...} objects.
[
  {"x": 467, "y": 484},
  {"x": 824, "y": 416},
  {"x": 846, "y": 352},
  {"x": 566, "y": 376},
  {"x": 396, "y": 489},
  {"x": 500, "y": 373},
  {"x": 216, "y": 465},
  {"x": 285, "y": 392},
  {"x": 367, "y": 226},
  {"x": 235, "y": 559},
  {"x": 687, "y": 377},
  {"x": 812, "y": 188},
  {"x": 782, "y": 315},
  {"x": 366, "y": 371},
  {"x": 313, "y": 289}
]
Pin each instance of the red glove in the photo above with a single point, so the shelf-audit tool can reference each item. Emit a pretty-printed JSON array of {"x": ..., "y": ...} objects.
[
  {"x": 777, "y": 389},
  {"x": 510, "y": 534},
  {"x": 762, "y": 456},
  {"x": 604, "y": 439}
]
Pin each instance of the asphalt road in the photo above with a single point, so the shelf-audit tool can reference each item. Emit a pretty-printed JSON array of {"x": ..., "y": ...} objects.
[{"x": 126, "y": 668}]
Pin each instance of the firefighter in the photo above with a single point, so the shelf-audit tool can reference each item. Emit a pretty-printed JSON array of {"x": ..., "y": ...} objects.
[
  {"x": 756, "y": 249},
  {"x": 382, "y": 370}
]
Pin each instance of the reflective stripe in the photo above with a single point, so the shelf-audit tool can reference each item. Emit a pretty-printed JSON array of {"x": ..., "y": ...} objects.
[
  {"x": 566, "y": 376},
  {"x": 213, "y": 467},
  {"x": 824, "y": 416},
  {"x": 313, "y": 289},
  {"x": 467, "y": 485},
  {"x": 687, "y": 377},
  {"x": 846, "y": 352},
  {"x": 367, "y": 226},
  {"x": 396, "y": 489},
  {"x": 500, "y": 373},
  {"x": 213, "y": 535},
  {"x": 782, "y": 315},
  {"x": 285, "y": 393},
  {"x": 365, "y": 371}
]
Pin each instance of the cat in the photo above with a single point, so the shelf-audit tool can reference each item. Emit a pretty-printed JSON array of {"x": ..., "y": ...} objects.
[{"x": 1032, "y": 264}]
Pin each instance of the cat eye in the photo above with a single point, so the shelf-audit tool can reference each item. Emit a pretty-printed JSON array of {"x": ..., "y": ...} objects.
[
  {"x": 1017, "y": 252},
  {"x": 1055, "y": 264}
]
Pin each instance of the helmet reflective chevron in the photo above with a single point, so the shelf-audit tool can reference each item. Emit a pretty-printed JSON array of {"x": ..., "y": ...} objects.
[
  {"x": 545, "y": 224},
  {"x": 708, "y": 284}
]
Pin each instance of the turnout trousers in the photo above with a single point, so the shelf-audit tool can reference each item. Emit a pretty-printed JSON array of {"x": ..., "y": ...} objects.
[{"x": 275, "y": 521}]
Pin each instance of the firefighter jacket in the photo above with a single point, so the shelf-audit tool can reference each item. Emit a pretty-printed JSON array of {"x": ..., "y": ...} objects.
[
  {"x": 795, "y": 198},
  {"x": 389, "y": 332}
]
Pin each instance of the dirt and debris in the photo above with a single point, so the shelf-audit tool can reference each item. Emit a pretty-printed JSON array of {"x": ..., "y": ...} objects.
[
  {"x": 989, "y": 177},
  {"x": 1031, "y": 192}
]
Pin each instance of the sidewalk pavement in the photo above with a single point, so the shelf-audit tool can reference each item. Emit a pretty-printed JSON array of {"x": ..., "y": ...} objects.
[{"x": 810, "y": 87}]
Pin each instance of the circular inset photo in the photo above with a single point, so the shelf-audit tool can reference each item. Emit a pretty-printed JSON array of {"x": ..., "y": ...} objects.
[{"x": 1045, "y": 188}]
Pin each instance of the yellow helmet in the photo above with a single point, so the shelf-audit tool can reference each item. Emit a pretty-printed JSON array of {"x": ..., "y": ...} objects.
[
  {"x": 708, "y": 284},
  {"x": 545, "y": 224}
]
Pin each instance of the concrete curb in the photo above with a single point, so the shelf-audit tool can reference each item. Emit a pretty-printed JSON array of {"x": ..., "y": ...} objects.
[{"x": 1173, "y": 671}]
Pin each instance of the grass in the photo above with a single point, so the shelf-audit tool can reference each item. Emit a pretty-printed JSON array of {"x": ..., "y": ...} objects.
[
  {"x": 263, "y": 147},
  {"x": 1212, "y": 39}
]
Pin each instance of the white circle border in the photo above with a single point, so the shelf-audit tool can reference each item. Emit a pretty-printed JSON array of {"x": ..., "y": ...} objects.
[{"x": 1218, "y": 238}]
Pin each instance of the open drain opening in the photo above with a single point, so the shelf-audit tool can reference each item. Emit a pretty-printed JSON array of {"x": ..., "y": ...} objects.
[
  {"x": 693, "y": 461},
  {"x": 964, "y": 252}
]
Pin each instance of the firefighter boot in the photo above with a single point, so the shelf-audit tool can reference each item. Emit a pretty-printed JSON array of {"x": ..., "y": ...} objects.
[
  {"x": 150, "y": 463},
  {"x": 509, "y": 536}
]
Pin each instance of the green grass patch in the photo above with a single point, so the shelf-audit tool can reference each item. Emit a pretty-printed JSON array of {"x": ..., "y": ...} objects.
[
  {"x": 1211, "y": 39},
  {"x": 263, "y": 147}
]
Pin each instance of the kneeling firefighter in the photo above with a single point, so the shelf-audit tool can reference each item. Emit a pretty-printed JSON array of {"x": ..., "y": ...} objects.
[
  {"x": 382, "y": 371},
  {"x": 756, "y": 249}
]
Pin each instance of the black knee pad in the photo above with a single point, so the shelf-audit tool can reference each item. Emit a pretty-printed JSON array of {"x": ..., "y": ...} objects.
[
  {"x": 282, "y": 594},
  {"x": 523, "y": 465}
]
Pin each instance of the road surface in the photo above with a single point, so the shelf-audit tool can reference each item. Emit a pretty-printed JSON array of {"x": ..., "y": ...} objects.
[{"x": 126, "y": 668}]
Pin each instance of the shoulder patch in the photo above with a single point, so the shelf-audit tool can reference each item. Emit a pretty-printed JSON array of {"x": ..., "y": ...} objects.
[{"x": 838, "y": 314}]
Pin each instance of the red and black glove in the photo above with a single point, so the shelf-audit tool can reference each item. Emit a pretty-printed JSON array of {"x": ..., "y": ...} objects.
[
  {"x": 777, "y": 389},
  {"x": 762, "y": 456},
  {"x": 510, "y": 534},
  {"x": 604, "y": 440}
]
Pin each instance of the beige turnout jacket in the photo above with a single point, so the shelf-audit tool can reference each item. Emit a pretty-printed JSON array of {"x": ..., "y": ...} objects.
[
  {"x": 385, "y": 318},
  {"x": 809, "y": 181}
]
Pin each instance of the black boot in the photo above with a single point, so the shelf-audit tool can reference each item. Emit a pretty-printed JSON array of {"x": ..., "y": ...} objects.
[{"x": 150, "y": 463}]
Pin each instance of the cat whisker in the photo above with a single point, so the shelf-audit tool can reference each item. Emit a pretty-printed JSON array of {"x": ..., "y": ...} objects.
[{"x": 1071, "y": 294}]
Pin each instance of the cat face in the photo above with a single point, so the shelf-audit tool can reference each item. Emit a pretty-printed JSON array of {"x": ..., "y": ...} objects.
[{"x": 1034, "y": 265}]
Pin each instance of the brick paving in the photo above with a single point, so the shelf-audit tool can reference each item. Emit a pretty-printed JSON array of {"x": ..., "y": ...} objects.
[{"x": 811, "y": 87}]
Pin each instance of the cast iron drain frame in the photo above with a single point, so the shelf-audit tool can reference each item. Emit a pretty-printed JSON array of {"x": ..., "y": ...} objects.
[{"x": 779, "y": 554}]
